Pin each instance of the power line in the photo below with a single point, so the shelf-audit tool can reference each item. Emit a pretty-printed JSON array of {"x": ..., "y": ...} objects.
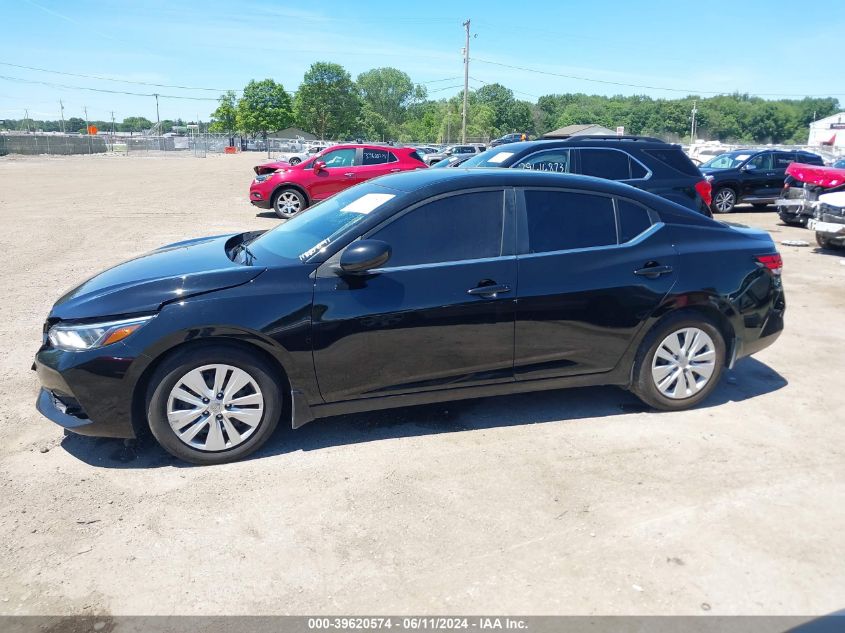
[
  {"x": 116, "y": 92},
  {"x": 101, "y": 78},
  {"x": 647, "y": 87}
]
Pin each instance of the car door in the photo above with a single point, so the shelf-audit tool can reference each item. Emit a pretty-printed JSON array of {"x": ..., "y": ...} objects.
[
  {"x": 338, "y": 174},
  {"x": 439, "y": 314},
  {"x": 781, "y": 160},
  {"x": 757, "y": 173},
  {"x": 375, "y": 161},
  {"x": 592, "y": 268}
]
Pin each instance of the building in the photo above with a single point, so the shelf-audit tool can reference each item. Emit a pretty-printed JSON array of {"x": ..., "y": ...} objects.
[
  {"x": 292, "y": 133},
  {"x": 580, "y": 130},
  {"x": 828, "y": 132}
]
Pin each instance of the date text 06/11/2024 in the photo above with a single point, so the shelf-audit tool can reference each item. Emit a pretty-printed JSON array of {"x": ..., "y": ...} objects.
[{"x": 416, "y": 623}]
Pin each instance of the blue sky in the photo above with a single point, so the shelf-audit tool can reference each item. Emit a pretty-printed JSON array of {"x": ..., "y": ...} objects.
[{"x": 698, "y": 46}]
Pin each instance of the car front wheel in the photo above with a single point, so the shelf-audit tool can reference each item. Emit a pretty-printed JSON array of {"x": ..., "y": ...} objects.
[
  {"x": 213, "y": 404},
  {"x": 294, "y": 161},
  {"x": 724, "y": 200},
  {"x": 679, "y": 363},
  {"x": 288, "y": 202}
]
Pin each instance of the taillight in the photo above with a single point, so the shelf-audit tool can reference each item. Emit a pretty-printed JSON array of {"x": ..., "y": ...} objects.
[
  {"x": 704, "y": 190},
  {"x": 772, "y": 261}
]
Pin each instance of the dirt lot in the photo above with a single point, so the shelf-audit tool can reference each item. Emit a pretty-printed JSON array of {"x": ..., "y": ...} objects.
[{"x": 564, "y": 502}]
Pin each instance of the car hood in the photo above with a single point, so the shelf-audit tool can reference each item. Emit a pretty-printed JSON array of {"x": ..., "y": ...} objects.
[
  {"x": 826, "y": 177},
  {"x": 144, "y": 284},
  {"x": 269, "y": 168},
  {"x": 833, "y": 199},
  {"x": 710, "y": 170}
]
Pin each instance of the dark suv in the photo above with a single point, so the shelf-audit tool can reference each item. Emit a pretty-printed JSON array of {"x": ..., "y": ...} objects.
[
  {"x": 644, "y": 162},
  {"x": 751, "y": 175},
  {"x": 509, "y": 138}
]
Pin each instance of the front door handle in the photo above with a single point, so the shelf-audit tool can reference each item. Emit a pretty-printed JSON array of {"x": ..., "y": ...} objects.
[
  {"x": 489, "y": 291},
  {"x": 654, "y": 271},
  {"x": 394, "y": 170},
  {"x": 349, "y": 174}
]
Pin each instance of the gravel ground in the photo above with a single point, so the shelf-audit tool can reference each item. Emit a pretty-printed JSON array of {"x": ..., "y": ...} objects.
[{"x": 572, "y": 501}]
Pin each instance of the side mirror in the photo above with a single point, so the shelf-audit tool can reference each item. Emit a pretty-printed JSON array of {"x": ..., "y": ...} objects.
[
  {"x": 319, "y": 165},
  {"x": 749, "y": 167},
  {"x": 364, "y": 255}
]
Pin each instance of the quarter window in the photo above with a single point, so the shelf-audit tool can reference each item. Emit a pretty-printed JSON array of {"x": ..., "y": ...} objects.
[
  {"x": 374, "y": 156},
  {"x": 455, "y": 228},
  {"x": 602, "y": 163},
  {"x": 555, "y": 160},
  {"x": 562, "y": 220},
  {"x": 339, "y": 158},
  {"x": 633, "y": 220}
]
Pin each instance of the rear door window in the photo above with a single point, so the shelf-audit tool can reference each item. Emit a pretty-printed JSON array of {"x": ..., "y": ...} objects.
[
  {"x": 564, "y": 220},
  {"x": 782, "y": 159},
  {"x": 610, "y": 164},
  {"x": 556, "y": 160},
  {"x": 633, "y": 220},
  {"x": 374, "y": 156},
  {"x": 455, "y": 228}
]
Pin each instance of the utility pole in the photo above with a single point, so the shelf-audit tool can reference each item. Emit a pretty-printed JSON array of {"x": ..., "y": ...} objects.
[
  {"x": 88, "y": 130},
  {"x": 692, "y": 124},
  {"x": 26, "y": 118},
  {"x": 158, "y": 120},
  {"x": 466, "y": 83},
  {"x": 62, "y": 108}
]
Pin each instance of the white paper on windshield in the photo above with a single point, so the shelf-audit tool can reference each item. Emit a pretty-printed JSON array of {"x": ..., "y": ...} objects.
[
  {"x": 500, "y": 157},
  {"x": 743, "y": 156},
  {"x": 368, "y": 202}
]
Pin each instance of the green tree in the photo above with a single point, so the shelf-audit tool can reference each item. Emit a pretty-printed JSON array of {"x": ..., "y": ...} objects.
[
  {"x": 264, "y": 107},
  {"x": 135, "y": 124},
  {"x": 225, "y": 118},
  {"x": 386, "y": 94},
  {"x": 327, "y": 101}
]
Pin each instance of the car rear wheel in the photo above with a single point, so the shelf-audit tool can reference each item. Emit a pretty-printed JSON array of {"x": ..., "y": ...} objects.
[
  {"x": 679, "y": 363},
  {"x": 288, "y": 202},
  {"x": 294, "y": 161},
  {"x": 213, "y": 404},
  {"x": 724, "y": 200}
]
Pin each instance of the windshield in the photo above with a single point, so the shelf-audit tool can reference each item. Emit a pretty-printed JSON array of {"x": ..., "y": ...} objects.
[
  {"x": 730, "y": 160},
  {"x": 312, "y": 230},
  {"x": 495, "y": 157},
  {"x": 840, "y": 164}
]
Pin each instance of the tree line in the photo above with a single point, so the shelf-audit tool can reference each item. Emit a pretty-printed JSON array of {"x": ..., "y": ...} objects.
[{"x": 385, "y": 104}]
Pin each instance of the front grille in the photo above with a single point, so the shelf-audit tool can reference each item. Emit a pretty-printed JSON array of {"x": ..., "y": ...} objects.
[
  {"x": 834, "y": 219},
  {"x": 827, "y": 209}
]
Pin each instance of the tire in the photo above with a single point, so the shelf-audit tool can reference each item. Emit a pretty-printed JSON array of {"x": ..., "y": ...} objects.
[
  {"x": 287, "y": 202},
  {"x": 647, "y": 372},
  {"x": 822, "y": 241},
  {"x": 724, "y": 200},
  {"x": 209, "y": 436},
  {"x": 294, "y": 161}
]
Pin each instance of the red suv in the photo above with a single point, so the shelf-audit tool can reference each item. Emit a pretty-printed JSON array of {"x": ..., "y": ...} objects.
[{"x": 288, "y": 189}]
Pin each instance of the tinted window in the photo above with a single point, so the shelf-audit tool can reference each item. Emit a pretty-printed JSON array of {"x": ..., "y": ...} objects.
[
  {"x": 339, "y": 158},
  {"x": 676, "y": 159},
  {"x": 416, "y": 155},
  {"x": 560, "y": 220},
  {"x": 603, "y": 163},
  {"x": 782, "y": 160},
  {"x": 637, "y": 170},
  {"x": 556, "y": 160},
  {"x": 465, "y": 226},
  {"x": 374, "y": 156},
  {"x": 813, "y": 159},
  {"x": 633, "y": 220},
  {"x": 761, "y": 161}
]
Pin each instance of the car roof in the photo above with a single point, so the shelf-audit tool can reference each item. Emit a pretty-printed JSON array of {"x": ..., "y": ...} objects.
[{"x": 465, "y": 177}]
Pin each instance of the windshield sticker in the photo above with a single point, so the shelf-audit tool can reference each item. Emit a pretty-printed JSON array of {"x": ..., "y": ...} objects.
[
  {"x": 743, "y": 156},
  {"x": 314, "y": 250},
  {"x": 368, "y": 202},
  {"x": 500, "y": 157}
]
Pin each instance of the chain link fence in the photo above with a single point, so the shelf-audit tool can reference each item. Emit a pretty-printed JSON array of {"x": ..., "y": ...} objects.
[{"x": 53, "y": 144}]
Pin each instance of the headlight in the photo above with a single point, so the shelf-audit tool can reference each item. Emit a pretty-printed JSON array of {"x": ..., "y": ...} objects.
[
  {"x": 263, "y": 177},
  {"x": 93, "y": 335}
]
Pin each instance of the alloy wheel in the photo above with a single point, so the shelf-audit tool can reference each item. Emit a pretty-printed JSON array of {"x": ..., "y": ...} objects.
[
  {"x": 725, "y": 200},
  {"x": 215, "y": 407},
  {"x": 288, "y": 203},
  {"x": 683, "y": 363}
]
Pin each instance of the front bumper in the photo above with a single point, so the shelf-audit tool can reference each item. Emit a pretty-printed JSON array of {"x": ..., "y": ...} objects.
[
  {"x": 259, "y": 197},
  {"x": 87, "y": 392}
]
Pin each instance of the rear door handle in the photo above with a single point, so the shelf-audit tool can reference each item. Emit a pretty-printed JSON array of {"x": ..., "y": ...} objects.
[
  {"x": 395, "y": 169},
  {"x": 653, "y": 272},
  {"x": 489, "y": 291}
]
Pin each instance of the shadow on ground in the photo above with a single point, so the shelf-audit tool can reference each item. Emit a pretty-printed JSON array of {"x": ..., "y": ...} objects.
[{"x": 749, "y": 379}]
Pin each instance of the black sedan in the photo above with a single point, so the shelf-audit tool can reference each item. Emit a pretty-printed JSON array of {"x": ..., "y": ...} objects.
[{"x": 412, "y": 288}]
